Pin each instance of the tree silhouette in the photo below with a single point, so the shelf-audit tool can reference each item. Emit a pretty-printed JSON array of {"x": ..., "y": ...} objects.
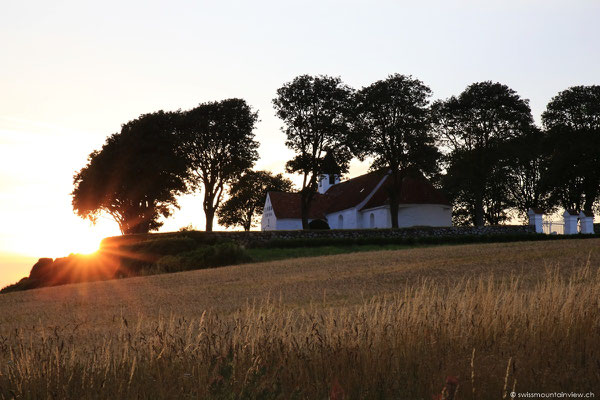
[
  {"x": 247, "y": 197},
  {"x": 217, "y": 141},
  {"x": 392, "y": 126},
  {"x": 316, "y": 114},
  {"x": 528, "y": 161},
  {"x": 135, "y": 177},
  {"x": 473, "y": 129},
  {"x": 572, "y": 120}
]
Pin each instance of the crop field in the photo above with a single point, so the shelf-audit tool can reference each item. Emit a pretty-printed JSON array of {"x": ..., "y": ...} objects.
[{"x": 521, "y": 317}]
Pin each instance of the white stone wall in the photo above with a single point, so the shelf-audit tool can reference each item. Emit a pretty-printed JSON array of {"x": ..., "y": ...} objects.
[
  {"x": 350, "y": 219},
  {"x": 381, "y": 218},
  {"x": 289, "y": 224},
  {"x": 424, "y": 215}
]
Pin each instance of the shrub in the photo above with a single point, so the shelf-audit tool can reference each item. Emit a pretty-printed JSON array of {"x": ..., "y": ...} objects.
[
  {"x": 163, "y": 246},
  {"x": 218, "y": 255}
]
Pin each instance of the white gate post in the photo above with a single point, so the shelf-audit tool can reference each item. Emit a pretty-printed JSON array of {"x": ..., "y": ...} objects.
[
  {"x": 570, "y": 217},
  {"x": 587, "y": 222},
  {"x": 535, "y": 218}
]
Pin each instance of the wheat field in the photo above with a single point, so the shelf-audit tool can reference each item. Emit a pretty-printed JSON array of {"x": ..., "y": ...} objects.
[{"x": 388, "y": 324}]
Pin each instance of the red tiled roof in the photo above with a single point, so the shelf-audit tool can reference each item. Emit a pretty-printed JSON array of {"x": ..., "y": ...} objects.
[
  {"x": 350, "y": 193},
  {"x": 287, "y": 205},
  {"x": 413, "y": 190}
]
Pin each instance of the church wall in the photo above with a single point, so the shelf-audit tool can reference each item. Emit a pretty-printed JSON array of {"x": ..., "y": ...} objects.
[
  {"x": 381, "y": 218},
  {"x": 424, "y": 215},
  {"x": 351, "y": 219},
  {"x": 289, "y": 224}
]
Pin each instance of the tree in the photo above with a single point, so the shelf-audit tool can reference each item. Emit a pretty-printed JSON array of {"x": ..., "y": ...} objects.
[
  {"x": 135, "y": 177},
  {"x": 217, "y": 141},
  {"x": 392, "y": 126},
  {"x": 528, "y": 164},
  {"x": 572, "y": 122},
  {"x": 472, "y": 129},
  {"x": 247, "y": 197},
  {"x": 316, "y": 115}
]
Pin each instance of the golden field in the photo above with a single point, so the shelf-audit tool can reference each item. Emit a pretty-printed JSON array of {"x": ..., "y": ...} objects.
[{"x": 388, "y": 324}]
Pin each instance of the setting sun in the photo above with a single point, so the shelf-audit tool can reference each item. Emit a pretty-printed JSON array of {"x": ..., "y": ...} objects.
[{"x": 77, "y": 238}]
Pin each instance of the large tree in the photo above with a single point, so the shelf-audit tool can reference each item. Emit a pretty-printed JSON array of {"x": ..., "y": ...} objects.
[
  {"x": 316, "y": 113},
  {"x": 392, "y": 127},
  {"x": 472, "y": 129},
  {"x": 247, "y": 196},
  {"x": 572, "y": 122},
  {"x": 528, "y": 163},
  {"x": 217, "y": 140},
  {"x": 135, "y": 177}
]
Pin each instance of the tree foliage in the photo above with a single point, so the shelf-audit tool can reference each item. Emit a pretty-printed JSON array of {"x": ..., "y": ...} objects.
[
  {"x": 392, "y": 127},
  {"x": 315, "y": 111},
  {"x": 473, "y": 129},
  {"x": 247, "y": 197},
  {"x": 572, "y": 120},
  {"x": 217, "y": 141},
  {"x": 528, "y": 162},
  {"x": 135, "y": 177}
]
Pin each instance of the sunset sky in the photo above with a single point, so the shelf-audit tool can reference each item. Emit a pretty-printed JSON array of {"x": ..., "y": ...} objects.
[{"x": 71, "y": 72}]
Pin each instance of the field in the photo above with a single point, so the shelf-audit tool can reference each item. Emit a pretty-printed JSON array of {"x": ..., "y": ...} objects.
[{"x": 519, "y": 316}]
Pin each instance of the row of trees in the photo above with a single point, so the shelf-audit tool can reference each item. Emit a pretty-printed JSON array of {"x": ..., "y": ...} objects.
[
  {"x": 481, "y": 146},
  {"x": 139, "y": 172}
]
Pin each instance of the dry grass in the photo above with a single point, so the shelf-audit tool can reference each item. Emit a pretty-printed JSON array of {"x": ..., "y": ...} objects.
[{"x": 387, "y": 324}]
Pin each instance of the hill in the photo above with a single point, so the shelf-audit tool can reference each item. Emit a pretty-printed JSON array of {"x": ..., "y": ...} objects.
[{"x": 381, "y": 324}]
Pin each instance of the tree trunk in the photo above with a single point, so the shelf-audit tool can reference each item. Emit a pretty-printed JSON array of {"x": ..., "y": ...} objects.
[
  {"x": 304, "y": 204},
  {"x": 395, "y": 189},
  {"x": 209, "y": 210},
  {"x": 394, "y": 209},
  {"x": 479, "y": 213},
  {"x": 210, "y": 215},
  {"x": 590, "y": 196},
  {"x": 248, "y": 222}
]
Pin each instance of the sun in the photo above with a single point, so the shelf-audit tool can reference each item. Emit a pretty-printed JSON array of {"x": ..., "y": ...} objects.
[
  {"x": 64, "y": 243},
  {"x": 71, "y": 238}
]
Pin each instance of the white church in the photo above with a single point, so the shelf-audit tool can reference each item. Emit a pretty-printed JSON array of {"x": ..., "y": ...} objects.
[{"x": 360, "y": 202}]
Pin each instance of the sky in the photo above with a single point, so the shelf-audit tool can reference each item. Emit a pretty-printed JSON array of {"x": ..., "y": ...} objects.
[{"x": 71, "y": 72}]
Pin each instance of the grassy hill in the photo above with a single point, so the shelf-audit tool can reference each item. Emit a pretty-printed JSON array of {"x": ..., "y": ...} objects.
[{"x": 384, "y": 324}]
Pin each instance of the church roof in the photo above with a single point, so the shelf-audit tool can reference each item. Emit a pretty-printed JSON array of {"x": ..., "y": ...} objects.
[
  {"x": 413, "y": 190},
  {"x": 351, "y": 193},
  {"x": 287, "y": 205}
]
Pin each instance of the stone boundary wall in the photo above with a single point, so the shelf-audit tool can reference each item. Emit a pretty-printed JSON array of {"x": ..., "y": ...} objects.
[
  {"x": 249, "y": 238},
  {"x": 257, "y": 238}
]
